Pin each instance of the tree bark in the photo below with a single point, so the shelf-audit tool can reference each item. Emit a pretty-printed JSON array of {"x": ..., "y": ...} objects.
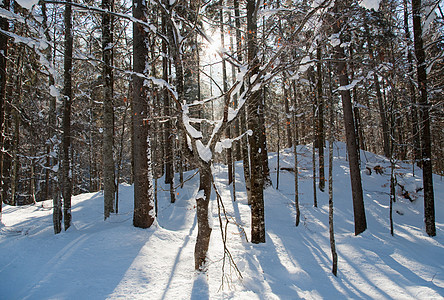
[
  {"x": 330, "y": 187},
  {"x": 320, "y": 120},
  {"x": 295, "y": 152},
  {"x": 254, "y": 123},
  {"x": 429, "y": 201},
  {"x": 4, "y": 25},
  {"x": 352, "y": 149},
  {"x": 143, "y": 184},
  {"x": 242, "y": 112},
  {"x": 413, "y": 111},
  {"x": 204, "y": 229},
  {"x": 382, "y": 115},
  {"x": 168, "y": 132},
  {"x": 67, "y": 101},
  {"x": 108, "y": 112}
]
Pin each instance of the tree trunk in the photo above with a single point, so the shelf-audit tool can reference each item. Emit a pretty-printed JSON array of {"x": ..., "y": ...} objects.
[
  {"x": 320, "y": 121},
  {"x": 4, "y": 25},
  {"x": 225, "y": 87},
  {"x": 242, "y": 112},
  {"x": 382, "y": 115},
  {"x": 429, "y": 201},
  {"x": 352, "y": 149},
  {"x": 67, "y": 101},
  {"x": 296, "y": 171},
  {"x": 168, "y": 132},
  {"x": 203, "y": 215},
  {"x": 330, "y": 188},
  {"x": 108, "y": 112},
  {"x": 143, "y": 184},
  {"x": 254, "y": 102},
  {"x": 413, "y": 111}
]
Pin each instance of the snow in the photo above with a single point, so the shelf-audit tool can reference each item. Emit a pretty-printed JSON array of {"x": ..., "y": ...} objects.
[
  {"x": 204, "y": 151},
  {"x": 28, "y": 4},
  {"x": 370, "y": 4},
  {"x": 334, "y": 40},
  {"x": 53, "y": 91},
  {"x": 97, "y": 259}
]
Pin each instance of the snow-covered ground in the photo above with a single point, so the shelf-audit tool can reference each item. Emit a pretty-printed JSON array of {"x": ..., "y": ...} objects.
[{"x": 98, "y": 259}]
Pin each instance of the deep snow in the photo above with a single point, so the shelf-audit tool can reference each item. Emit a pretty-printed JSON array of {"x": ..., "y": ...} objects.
[{"x": 98, "y": 259}]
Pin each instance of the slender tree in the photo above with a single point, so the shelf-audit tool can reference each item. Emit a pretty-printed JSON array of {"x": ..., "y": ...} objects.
[
  {"x": 429, "y": 201},
  {"x": 108, "y": 111},
  {"x": 67, "y": 102},
  {"x": 254, "y": 110},
  {"x": 352, "y": 148}
]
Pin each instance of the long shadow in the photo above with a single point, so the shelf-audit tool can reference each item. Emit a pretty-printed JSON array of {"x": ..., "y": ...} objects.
[
  {"x": 200, "y": 289},
  {"x": 176, "y": 261},
  {"x": 85, "y": 262}
]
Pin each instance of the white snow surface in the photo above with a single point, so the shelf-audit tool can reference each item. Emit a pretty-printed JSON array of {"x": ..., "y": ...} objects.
[
  {"x": 97, "y": 259},
  {"x": 28, "y": 4},
  {"x": 370, "y": 4}
]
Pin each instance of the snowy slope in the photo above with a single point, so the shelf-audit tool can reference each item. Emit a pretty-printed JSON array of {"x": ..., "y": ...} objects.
[{"x": 98, "y": 259}]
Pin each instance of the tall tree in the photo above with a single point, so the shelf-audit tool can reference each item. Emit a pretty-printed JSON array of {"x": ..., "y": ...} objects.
[
  {"x": 352, "y": 147},
  {"x": 143, "y": 184},
  {"x": 67, "y": 102},
  {"x": 254, "y": 111},
  {"x": 4, "y": 25},
  {"x": 320, "y": 119},
  {"x": 108, "y": 110},
  {"x": 429, "y": 201}
]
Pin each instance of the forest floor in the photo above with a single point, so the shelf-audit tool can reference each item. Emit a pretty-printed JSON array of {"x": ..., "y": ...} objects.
[{"x": 97, "y": 259}]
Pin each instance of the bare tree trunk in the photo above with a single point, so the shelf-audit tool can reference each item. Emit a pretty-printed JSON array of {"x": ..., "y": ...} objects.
[
  {"x": 352, "y": 149},
  {"x": 414, "y": 111},
  {"x": 225, "y": 87},
  {"x": 4, "y": 25},
  {"x": 295, "y": 152},
  {"x": 382, "y": 115},
  {"x": 242, "y": 117},
  {"x": 108, "y": 111},
  {"x": 254, "y": 123},
  {"x": 330, "y": 187},
  {"x": 67, "y": 101},
  {"x": 320, "y": 120},
  {"x": 143, "y": 184},
  {"x": 429, "y": 201},
  {"x": 392, "y": 192},
  {"x": 204, "y": 228}
]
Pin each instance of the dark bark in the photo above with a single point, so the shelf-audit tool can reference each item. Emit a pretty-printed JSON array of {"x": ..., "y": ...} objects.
[
  {"x": 225, "y": 89},
  {"x": 382, "y": 115},
  {"x": 168, "y": 132},
  {"x": 426, "y": 141},
  {"x": 204, "y": 229},
  {"x": 242, "y": 113},
  {"x": 320, "y": 137},
  {"x": 254, "y": 123},
  {"x": 296, "y": 171},
  {"x": 108, "y": 111},
  {"x": 143, "y": 191},
  {"x": 330, "y": 179},
  {"x": 4, "y": 25},
  {"x": 413, "y": 111},
  {"x": 352, "y": 149},
  {"x": 66, "y": 135}
]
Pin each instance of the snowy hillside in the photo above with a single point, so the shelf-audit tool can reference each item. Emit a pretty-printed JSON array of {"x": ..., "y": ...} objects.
[{"x": 98, "y": 259}]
